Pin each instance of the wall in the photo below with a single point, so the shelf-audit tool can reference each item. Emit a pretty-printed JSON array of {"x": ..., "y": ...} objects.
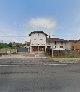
[
  {"x": 76, "y": 45},
  {"x": 7, "y": 51},
  {"x": 66, "y": 45},
  {"x": 64, "y": 53},
  {"x": 38, "y": 39}
]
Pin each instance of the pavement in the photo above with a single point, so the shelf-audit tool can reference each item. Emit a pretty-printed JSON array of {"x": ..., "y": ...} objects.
[
  {"x": 32, "y": 58},
  {"x": 24, "y": 59},
  {"x": 27, "y": 61}
]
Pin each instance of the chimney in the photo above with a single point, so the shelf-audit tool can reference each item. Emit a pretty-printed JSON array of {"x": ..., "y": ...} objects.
[{"x": 49, "y": 35}]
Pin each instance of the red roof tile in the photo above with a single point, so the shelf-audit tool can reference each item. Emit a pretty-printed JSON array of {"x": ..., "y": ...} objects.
[{"x": 55, "y": 39}]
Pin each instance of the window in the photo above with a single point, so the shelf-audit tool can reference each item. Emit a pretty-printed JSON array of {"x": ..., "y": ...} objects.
[
  {"x": 49, "y": 42},
  {"x": 61, "y": 46},
  {"x": 61, "y": 42},
  {"x": 41, "y": 39},
  {"x": 55, "y": 46},
  {"x": 55, "y": 42},
  {"x": 72, "y": 48},
  {"x": 34, "y": 39}
]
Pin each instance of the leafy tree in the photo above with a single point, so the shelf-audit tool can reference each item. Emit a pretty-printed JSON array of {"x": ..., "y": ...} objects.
[{"x": 10, "y": 44}]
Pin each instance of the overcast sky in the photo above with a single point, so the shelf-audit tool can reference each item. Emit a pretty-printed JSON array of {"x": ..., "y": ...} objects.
[{"x": 18, "y": 18}]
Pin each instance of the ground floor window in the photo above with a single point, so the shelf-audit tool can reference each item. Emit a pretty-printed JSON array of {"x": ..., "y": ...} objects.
[{"x": 61, "y": 46}]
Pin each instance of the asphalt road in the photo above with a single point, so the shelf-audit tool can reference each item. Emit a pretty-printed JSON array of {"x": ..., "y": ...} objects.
[{"x": 40, "y": 78}]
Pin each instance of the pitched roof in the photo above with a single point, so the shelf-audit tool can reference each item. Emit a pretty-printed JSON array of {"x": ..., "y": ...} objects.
[
  {"x": 55, "y": 39},
  {"x": 74, "y": 40},
  {"x": 37, "y": 32}
]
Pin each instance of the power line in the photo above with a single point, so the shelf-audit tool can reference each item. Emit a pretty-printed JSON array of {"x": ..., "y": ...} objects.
[{"x": 12, "y": 36}]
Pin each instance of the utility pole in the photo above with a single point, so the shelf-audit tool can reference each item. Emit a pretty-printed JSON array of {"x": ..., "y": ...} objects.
[{"x": 52, "y": 48}]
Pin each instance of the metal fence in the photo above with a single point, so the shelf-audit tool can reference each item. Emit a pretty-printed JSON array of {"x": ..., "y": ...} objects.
[{"x": 22, "y": 50}]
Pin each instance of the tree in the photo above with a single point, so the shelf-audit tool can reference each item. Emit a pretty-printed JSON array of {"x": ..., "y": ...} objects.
[{"x": 10, "y": 44}]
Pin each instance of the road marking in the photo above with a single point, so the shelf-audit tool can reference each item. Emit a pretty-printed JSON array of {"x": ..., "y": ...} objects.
[
  {"x": 36, "y": 57},
  {"x": 9, "y": 65},
  {"x": 33, "y": 64},
  {"x": 55, "y": 64}
]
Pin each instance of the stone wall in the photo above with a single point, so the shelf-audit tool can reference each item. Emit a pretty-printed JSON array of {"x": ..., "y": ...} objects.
[{"x": 8, "y": 51}]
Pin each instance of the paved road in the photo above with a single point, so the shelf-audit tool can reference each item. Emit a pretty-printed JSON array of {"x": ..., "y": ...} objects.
[{"x": 40, "y": 78}]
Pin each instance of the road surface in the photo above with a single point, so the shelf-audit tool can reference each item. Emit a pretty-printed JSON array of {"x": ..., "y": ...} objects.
[{"x": 39, "y": 78}]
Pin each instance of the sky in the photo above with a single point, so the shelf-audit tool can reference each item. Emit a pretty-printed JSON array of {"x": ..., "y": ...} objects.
[{"x": 59, "y": 18}]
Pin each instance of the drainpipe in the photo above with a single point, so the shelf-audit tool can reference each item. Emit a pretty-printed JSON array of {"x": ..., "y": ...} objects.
[
  {"x": 38, "y": 49},
  {"x": 52, "y": 49}
]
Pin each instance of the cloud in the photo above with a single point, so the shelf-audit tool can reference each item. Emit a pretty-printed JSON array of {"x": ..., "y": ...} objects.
[
  {"x": 46, "y": 23},
  {"x": 11, "y": 35}
]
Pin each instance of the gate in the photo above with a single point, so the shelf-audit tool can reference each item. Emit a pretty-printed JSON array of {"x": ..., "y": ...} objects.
[{"x": 22, "y": 50}]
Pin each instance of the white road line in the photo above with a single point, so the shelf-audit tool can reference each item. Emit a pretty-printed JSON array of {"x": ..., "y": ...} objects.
[
  {"x": 36, "y": 57},
  {"x": 8, "y": 65},
  {"x": 55, "y": 64},
  {"x": 35, "y": 64}
]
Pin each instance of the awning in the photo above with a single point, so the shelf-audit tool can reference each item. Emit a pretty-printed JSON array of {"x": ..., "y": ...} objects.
[{"x": 58, "y": 49}]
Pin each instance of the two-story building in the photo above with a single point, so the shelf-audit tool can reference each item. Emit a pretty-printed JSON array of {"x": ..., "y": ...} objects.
[
  {"x": 58, "y": 44},
  {"x": 38, "y": 41}
]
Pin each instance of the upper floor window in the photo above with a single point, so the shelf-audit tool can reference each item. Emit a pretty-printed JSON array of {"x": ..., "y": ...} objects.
[
  {"x": 41, "y": 39},
  {"x": 49, "y": 42},
  {"x": 38, "y": 34},
  {"x": 72, "y": 48},
  {"x": 34, "y": 39},
  {"x": 55, "y": 42},
  {"x": 61, "y": 42}
]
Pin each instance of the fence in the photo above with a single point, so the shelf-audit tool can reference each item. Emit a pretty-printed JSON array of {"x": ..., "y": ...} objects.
[
  {"x": 22, "y": 50},
  {"x": 64, "y": 53}
]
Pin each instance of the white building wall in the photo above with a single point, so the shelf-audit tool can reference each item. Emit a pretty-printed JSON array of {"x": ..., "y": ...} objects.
[
  {"x": 66, "y": 45},
  {"x": 38, "y": 39}
]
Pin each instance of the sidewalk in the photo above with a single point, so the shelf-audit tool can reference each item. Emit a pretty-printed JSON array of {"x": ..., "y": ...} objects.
[
  {"x": 12, "y": 56},
  {"x": 25, "y": 60},
  {"x": 32, "y": 59},
  {"x": 67, "y": 60}
]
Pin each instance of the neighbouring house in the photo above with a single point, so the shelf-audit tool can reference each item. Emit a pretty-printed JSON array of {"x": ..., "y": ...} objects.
[
  {"x": 39, "y": 42},
  {"x": 58, "y": 44},
  {"x": 17, "y": 44},
  {"x": 75, "y": 45}
]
